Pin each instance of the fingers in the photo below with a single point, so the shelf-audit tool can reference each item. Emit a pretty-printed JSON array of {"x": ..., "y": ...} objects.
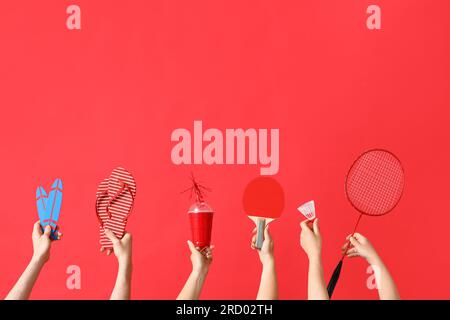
[
  {"x": 253, "y": 242},
  {"x": 304, "y": 225},
  {"x": 306, "y": 228},
  {"x": 356, "y": 239},
  {"x": 359, "y": 237},
  {"x": 354, "y": 242},
  {"x": 47, "y": 231},
  {"x": 316, "y": 227},
  {"x": 126, "y": 240},
  {"x": 351, "y": 251},
  {"x": 108, "y": 251},
  {"x": 111, "y": 236},
  {"x": 58, "y": 235},
  {"x": 207, "y": 252},
  {"x": 267, "y": 235},
  {"x": 345, "y": 246}
]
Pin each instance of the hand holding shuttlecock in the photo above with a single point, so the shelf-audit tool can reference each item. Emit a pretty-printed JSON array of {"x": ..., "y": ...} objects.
[{"x": 308, "y": 210}]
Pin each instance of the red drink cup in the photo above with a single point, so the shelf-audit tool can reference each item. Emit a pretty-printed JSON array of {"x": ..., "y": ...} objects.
[{"x": 201, "y": 217}]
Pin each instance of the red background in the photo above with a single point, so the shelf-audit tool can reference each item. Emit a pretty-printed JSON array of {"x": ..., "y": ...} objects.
[{"x": 76, "y": 104}]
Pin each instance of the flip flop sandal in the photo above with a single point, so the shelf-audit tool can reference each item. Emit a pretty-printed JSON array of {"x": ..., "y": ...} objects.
[
  {"x": 122, "y": 191},
  {"x": 101, "y": 204},
  {"x": 49, "y": 207}
]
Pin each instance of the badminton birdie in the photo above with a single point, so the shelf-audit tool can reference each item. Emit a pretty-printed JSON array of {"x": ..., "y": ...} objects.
[{"x": 308, "y": 210}]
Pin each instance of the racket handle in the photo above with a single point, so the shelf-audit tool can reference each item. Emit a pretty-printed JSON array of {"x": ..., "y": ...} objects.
[
  {"x": 334, "y": 279},
  {"x": 260, "y": 233}
]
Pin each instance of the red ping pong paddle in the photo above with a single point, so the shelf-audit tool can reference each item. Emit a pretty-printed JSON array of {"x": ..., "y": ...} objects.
[{"x": 263, "y": 202}]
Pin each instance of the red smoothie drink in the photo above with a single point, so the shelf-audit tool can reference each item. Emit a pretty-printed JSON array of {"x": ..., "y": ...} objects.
[{"x": 201, "y": 217}]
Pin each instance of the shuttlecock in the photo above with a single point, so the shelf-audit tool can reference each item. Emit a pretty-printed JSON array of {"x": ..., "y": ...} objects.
[{"x": 308, "y": 210}]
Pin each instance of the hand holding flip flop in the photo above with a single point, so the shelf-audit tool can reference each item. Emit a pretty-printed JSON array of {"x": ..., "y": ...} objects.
[{"x": 115, "y": 200}]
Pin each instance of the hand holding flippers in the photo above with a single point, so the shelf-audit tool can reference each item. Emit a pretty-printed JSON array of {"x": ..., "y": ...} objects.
[{"x": 49, "y": 207}]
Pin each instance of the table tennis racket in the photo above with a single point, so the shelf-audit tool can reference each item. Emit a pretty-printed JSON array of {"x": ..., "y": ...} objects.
[{"x": 263, "y": 202}]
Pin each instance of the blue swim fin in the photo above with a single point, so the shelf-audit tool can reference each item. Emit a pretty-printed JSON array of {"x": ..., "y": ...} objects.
[
  {"x": 41, "y": 203},
  {"x": 54, "y": 202}
]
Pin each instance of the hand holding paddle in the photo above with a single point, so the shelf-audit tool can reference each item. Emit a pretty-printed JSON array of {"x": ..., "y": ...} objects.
[
  {"x": 263, "y": 202},
  {"x": 266, "y": 251}
]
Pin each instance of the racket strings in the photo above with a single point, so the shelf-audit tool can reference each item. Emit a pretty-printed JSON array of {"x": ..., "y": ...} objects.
[{"x": 375, "y": 182}]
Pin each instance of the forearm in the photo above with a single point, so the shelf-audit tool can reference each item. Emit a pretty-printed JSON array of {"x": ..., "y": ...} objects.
[
  {"x": 317, "y": 289},
  {"x": 23, "y": 287},
  {"x": 122, "y": 287},
  {"x": 268, "y": 287},
  {"x": 193, "y": 286},
  {"x": 387, "y": 290}
]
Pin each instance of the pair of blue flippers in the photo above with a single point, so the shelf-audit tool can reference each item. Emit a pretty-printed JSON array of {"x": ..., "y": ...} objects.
[{"x": 49, "y": 206}]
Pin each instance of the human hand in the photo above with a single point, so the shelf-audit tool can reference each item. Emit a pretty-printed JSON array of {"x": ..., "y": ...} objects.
[
  {"x": 42, "y": 242},
  {"x": 360, "y": 246},
  {"x": 266, "y": 252},
  {"x": 311, "y": 239},
  {"x": 121, "y": 247},
  {"x": 200, "y": 258}
]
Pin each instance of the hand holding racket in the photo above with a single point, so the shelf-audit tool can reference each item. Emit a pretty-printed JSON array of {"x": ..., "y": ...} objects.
[
  {"x": 359, "y": 246},
  {"x": 374, "y": 186}
]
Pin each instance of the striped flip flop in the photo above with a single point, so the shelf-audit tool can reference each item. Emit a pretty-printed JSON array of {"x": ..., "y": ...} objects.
[
  {"x": 122, "y": 192},
  {"x": 101, "y": 205}
]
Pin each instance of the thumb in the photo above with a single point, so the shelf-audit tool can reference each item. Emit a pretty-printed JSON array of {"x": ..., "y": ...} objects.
[
  {"x": 354, "y": 242},
  {"x": 47, "y": 231},
  {"x": 127, "y": 236},
  {"x": 304, "y": 224},
  {"x": 37, "y": 230},
  {"x": 111, "y": 236},
  {"x": 191, "y": 246},
  {"x": 316, "y": 227}
]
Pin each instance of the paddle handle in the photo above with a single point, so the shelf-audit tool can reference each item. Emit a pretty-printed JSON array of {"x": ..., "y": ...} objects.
[{"x": 261, "y": 225}]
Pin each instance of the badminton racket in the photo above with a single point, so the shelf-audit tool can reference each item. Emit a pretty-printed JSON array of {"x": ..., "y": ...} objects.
[{"x": 374, "y": 186}]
